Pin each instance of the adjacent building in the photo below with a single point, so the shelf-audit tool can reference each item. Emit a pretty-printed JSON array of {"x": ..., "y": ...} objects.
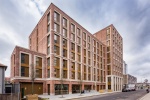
[
  {"x": 2, "y": 78},
  {"x": 125, "y": 67},
  {"x": 62, "y": 51},
  {"x": 23, "y": 61}
]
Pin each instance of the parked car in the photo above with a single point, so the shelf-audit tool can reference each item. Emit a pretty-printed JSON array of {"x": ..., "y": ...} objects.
[{"x": 125, "y": 89}]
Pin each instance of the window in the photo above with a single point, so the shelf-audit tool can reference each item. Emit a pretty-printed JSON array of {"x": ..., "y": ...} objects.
[
  {"x": 84, "y": 36},
  {"x": 72, "y": 28},
  {"x": 64, "y": 63},
  {"x": 56, "y": 49},
  {"x": 64, "y": 22},
  {"x": 88, "y": 38},
  {"x": 22, "y": 71},
  {"x": 88, "y": 46},
  {"x": 56, "y": 28},
  {"x": 79, "y": 67},
  {"x": 94, "y": 42},
  {"x": 72, "y": 37},
  {"x": 73, "y": 55},
  {"x": 64, "y": 43},
  {"x": 84, "y": 52},
  {"x": 84, "y": 68},
  {"x": 48, "y": 28},
  {"x": 48, "y": 73},
  {"x": 89, "y": 54},
  {"x": 89, "y": 61},
  {"x": 108, "y": 31},
  {"x": 48, "y": 62},
  {"x": 48, "y": 50},
  {"x": 78, "y": 31},
  {"x": 84, "y": 59},
  {"x": 48, "y": 39},
  {"x": 79, "y": 58},
  {"x": 56, "y": 61},
  {"x": 22, "y": 58},
  {"x": 73, "y": 65},
  {"x": 73, "y": 46},
  {"x": 78, "y": 49},
  {"x": 97, "y": 45},
  {"x": 64, "y": 53},
  {"x": 56, "y": 17},
  {"x": 78, "y": 40},
  {"x": 38, "y": 61},
  {"x": 84, "y": 43},
  {"x": 64, "y": 32},
  {"x": 48, "y": 17},
  {"x": 56, "y": 39}
]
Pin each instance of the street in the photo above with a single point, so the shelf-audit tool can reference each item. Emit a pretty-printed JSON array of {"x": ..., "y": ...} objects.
[{"x": 133, "y": 95}]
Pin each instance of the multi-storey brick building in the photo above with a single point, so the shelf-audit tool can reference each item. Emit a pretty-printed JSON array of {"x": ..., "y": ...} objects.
[
  {"x": 114, "y": 43},
  {"x": 73, "y": 55}
]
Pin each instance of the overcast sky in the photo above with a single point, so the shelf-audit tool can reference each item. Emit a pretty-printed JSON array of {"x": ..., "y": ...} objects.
[{"x": 130, "y": 17}]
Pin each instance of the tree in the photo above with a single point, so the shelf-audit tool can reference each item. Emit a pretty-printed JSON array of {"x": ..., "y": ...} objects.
[
  {"x": 80, "y": 83},
  {"x": 32, "y": 76},
  {"x": 61, "y": 82}
]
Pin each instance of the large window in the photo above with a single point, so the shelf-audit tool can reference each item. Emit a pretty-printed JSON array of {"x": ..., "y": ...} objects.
[
  {"x": 64, "y": 32},
  {"x": 48, "y": 50},
  {"x": 73, "y": 46},
  {"x": 48, "y": 28},
  {"x": 56, "y": 28},
  {"x": 73, "y": 55},
  {"x": 64, "y": 43},
  {"x": 24, "y": 71},
  {"x": 38, "y": 67},
  {"x": 64, "y": 22},
  {"x": 48, "y": 62},
  {"x": 72, "y": 37},
  {"x": 56, "y": 61},
  {"x": 22, "y": 58},
  {"x": 24, "y": 65},
  {"x": 48, "y": 39},
  {"x": 56, "y": 39},
  {"x": 56, "y": 49},
  {"x": 78, "y": 40},
  {"x": 78, "y": 49},
  {"x": 84, "y": 36},
  {"x": 72, "y": 28},
  {"x": 64, "y": 53},
  {"x": 78, "y": 31},
  {"x": 56, "y": 17},
  {"x": 48, "y": 17}
]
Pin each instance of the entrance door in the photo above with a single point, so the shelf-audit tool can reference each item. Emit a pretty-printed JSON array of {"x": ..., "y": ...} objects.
[
  {"x": 22, "y": 92},
  {"x": 48, "y": 89},
  {"x": 97, "y": 87}
]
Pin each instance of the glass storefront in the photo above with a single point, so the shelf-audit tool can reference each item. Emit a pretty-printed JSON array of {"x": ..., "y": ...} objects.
[{"x": 61, "y": 89}]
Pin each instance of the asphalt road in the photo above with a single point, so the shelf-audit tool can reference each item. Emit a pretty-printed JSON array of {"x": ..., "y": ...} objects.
[{"x": 132, "y": 95}]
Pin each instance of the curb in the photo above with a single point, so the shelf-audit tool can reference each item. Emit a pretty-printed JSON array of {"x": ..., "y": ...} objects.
[
  {"x": 92, "y": 95},
  {"x": 142, "y": 98}
]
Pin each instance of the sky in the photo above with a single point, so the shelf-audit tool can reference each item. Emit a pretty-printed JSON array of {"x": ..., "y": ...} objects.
[{"x": 130, "y": 17}]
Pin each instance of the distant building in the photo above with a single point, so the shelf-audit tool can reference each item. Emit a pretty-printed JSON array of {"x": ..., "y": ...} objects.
[
  {"x": 129, "y": 79},
  {"x": 2, "y": 78},
  {"x": 125, "y": 67}
]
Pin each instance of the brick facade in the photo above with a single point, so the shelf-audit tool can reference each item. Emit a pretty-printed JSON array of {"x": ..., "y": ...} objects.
[{"x": 58, "y": 37}]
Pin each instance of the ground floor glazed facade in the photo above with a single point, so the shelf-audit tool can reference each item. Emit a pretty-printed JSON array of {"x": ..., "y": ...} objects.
[
  {"x": 114, "y": 83},
  {"x": 57, "y": 87}
]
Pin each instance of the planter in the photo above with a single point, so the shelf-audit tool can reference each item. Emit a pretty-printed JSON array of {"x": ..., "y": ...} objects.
[{"x": 32, "y": 97}]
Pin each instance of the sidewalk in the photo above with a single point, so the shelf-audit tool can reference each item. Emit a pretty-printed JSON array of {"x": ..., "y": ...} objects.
[
  {"x": 146, "y": 97},
  {"x": 72, "y": 96}
]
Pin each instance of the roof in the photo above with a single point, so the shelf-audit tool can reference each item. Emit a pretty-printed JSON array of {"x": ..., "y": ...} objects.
[{"x": 1, "y": 65}]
